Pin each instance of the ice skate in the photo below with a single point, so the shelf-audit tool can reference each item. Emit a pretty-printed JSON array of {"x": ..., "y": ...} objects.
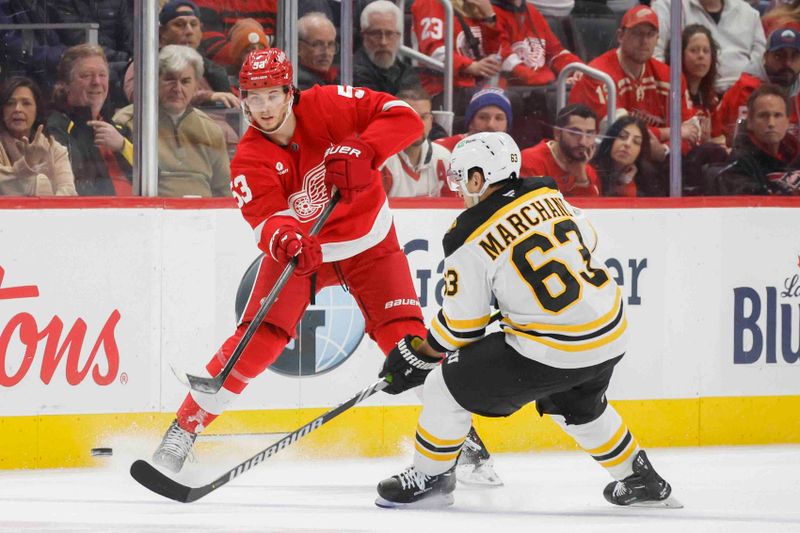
[
  {"x": 175, "y": 447},
  {"x": 643, "y": 488},
  {"x": 412, "y": 488},
  {"x": 475, "y": 465}
]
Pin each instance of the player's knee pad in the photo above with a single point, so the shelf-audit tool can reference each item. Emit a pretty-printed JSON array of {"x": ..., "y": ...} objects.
[
  {"x": 388, "y": 334},
  {"x": 264, "y": 347}
]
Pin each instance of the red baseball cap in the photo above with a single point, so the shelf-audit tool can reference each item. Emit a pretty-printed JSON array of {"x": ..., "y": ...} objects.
[{"x": 639, "y": 15}]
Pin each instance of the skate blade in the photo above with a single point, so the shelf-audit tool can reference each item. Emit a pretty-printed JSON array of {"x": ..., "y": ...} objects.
[
  {"x": 669, "y": 503},
  {"x": 432, "y": 502},
  {"x": 483, "y": 475}
]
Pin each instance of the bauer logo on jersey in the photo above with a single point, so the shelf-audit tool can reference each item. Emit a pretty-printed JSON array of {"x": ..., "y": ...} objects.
[{"x": 309, "y": 202}]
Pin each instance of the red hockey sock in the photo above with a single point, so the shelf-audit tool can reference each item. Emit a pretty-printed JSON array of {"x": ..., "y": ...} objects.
[{"x": 192, "y": 417}]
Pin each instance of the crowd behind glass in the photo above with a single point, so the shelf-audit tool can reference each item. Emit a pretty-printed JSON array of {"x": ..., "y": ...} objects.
[{"x": 67, "y": 106}]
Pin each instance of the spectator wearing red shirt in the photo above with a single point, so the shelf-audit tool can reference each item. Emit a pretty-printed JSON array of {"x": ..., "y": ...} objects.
[
  {"x": 642, "y": 82},
  {"x": 566, "y": 157},
  {"x": 488, "y": 110},
  {"x": 781, "y": 66},
  {"x": 531, "y": 54},
  {"x": 472, "y": 65}
]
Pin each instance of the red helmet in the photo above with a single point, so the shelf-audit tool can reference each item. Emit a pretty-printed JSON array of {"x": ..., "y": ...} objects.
[{"x": 265, "y": 68}]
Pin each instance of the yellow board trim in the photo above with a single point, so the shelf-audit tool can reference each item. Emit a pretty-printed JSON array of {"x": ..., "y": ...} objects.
[
  {"x": 60, "y": 441},
  {"x": 574, "y": 347},
  {"x": 577, "y": 328},
  {"x": 510, "y": 207}
]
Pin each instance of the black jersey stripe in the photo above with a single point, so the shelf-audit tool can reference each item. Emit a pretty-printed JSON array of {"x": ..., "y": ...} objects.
[{"x": 576, "y": 338}]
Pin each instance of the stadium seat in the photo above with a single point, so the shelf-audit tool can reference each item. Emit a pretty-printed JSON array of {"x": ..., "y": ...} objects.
[{"x": 592, "y": 35}]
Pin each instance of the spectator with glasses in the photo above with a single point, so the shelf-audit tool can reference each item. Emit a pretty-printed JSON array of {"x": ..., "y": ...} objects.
[
  {"x": 376, "y": 64},
  {"x": 317, "y": 46},
  {"x": 566, "y": 158}
]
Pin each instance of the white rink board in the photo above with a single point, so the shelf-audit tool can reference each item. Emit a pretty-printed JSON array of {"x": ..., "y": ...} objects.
[{"x": 172, "y": 275}]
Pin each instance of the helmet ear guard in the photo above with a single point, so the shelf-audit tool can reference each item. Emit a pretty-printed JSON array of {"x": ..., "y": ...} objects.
[{"x": 494, "y": 153}]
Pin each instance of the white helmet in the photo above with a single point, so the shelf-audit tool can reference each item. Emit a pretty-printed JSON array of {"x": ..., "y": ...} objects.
[{"x": 495, "y": 153}]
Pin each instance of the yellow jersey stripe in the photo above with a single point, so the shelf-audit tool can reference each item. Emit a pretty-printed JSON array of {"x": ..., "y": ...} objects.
[
  {"x": 576, "y": 328},
  {"x": 632, "y": 447},
  {"x": 436, "y": 456},
  {"x": 608, "y": 446},
  {"x": 437, "y": 441},
  {"x": 575, "y": 347},
  {"x": 452, "y": 341},
  {"x": 466, "y": 323},
  {"x": 510, "y": 207}
]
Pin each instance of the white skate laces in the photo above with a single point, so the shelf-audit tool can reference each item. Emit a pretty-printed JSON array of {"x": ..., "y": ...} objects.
[
  {"x": 177, "y": 442},
  {"x": 411, "y": 477}
]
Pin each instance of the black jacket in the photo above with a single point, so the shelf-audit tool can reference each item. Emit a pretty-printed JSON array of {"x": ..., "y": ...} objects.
[
  {"x": 753, "y": 171},
  {"x": 399, "y": 76},
  {"x": 115, "y": 19},
  {"x": 88, "y": 166}
]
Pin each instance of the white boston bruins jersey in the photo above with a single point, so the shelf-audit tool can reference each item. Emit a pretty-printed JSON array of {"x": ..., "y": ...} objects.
[{"x": 527, "y": 248}]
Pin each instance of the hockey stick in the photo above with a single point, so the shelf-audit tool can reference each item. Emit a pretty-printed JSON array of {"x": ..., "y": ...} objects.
[
  {"x": 151, "y": 478},
  {"x": 213, "y": 384}
]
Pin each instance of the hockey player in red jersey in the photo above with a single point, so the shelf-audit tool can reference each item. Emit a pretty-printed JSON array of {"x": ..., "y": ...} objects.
[{"x": 300, "y": 146}]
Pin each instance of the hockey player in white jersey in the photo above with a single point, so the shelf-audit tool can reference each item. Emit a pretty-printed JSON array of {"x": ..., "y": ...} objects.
[{"x": 563, "y": 331}]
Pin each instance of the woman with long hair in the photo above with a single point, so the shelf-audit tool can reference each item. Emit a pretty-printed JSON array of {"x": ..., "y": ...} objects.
[
  {"x": 622, "y": 160},
  {"x": 30, "y": 163}
]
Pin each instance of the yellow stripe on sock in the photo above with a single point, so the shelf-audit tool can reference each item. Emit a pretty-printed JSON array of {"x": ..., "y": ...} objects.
[
  {"x": 608, "y": 446},
  {"x": 633, "y": 446},
  {"x": 435, "y": 456},
  {"x": 437, "y": 441}
]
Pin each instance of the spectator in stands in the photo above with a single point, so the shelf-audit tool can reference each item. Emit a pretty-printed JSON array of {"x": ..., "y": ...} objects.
[
  {"x": 376, "y": 64},
  {"x": 767, "y": 160},
  {"x": 192, "y": 155},
  {"x": 101, "y": 153},
  {"x": 785, "y": 13},
  {"x": 566, "y": 157},
  {"x": 733, "y": 24},
  {"x": 179, "y": 23},
  {"x": 245, "y": 36},
  {"x": 780, "y": 66},
  {"x": 115, "y": 35},
  {"x": 316, "y": 48},
  {"x": 32, "y": 53},
  {"x": 420, "y": 169},
  {"x": 218, "y": 18},
  {"x": 623, "y": 159},
  {"x": 472, "y": 66},
  {"x": 530, "y": 52},
  {"x": 642, "y": 82},
  {"x": 488, "y": 110},
  {"x": 30, "y": 163},
  {"x": 700, "y": 60}
]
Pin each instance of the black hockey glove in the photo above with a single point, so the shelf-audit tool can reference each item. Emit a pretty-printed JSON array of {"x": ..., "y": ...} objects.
[{"x": 405, "y": 368}]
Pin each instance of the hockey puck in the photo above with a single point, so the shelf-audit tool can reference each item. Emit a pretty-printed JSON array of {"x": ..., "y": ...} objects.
[{"x": 102, "y": 452}]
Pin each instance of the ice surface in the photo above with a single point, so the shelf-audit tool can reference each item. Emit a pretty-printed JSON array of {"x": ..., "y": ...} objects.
[{"x": 724, "y": 489}]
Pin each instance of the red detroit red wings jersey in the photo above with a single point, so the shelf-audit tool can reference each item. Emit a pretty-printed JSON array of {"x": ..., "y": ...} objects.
[
  {"x": 269, "y": 180},
  {"x": 428, "y": 25},
  {"x": 539, "y": 161},
  {"x": 646, "y": 97}
]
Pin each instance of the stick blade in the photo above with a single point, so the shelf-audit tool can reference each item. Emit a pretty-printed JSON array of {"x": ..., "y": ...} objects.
[
  {"x": 151, "y": 478},
  {"x": 201, "y": 384}
]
